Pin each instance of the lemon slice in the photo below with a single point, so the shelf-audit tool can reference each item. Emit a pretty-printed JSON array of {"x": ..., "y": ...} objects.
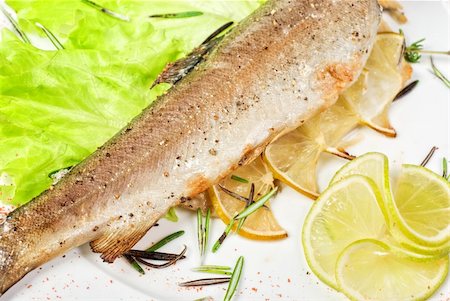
[
  {"x": 370, "y": 97},
  {"x": 369, "y": 270},
  {"x": 422, "y": 206},
  {"x": 376, "y": 166},
  {"x": 261, "y": 224},
  {"x": 293, "y": 157},
  {"x": 346, "y": 211}
]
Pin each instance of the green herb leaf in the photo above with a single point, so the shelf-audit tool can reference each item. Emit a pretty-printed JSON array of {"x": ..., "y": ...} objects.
[
  {"x": 165, "y": 241},
  {"x": 171, "y": 215},
  {"x": 186, "y": 14},
  {"x": 256, "y": 205},
  {"x": 239, "y": 179},
  {"x": 439, "y": 73},
  {"x": 235, "y": 277}
]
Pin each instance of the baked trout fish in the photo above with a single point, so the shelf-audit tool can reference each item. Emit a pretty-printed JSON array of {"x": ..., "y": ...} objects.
[{"x": 281, "y": 65}]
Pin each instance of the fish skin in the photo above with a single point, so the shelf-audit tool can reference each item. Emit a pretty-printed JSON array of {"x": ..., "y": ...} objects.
[{"x": 287, "y": 61}]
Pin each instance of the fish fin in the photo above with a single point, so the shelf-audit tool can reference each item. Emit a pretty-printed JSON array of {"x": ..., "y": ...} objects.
[
  {"x": 177, "y": 70},
  {"x": 118, "y": 240}
]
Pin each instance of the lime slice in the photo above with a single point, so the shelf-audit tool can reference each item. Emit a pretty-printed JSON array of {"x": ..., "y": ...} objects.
[
  {"x": 422, "y": 206},
  {"x": 369, "y": 270},
  {"x": 416, "y": 207},
  {"x": 346, "y": 211}
]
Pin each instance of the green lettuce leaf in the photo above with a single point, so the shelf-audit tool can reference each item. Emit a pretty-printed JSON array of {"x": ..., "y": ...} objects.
[{"x": 58, "y": 106}]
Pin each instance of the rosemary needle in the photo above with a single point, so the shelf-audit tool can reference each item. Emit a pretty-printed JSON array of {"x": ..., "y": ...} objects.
[
  {"x": 165, "y": 241},
  {"x": 200, "y": 235},
  {"x": 106, "y": 11},
  {"x": 445, "y": 174},
  {"x": 256, "y": 205},
  {"x": 428, "y": 157},
  {"x": 16, "y": 27},
  {"x": 206, "y": 281},
  {"x": 239, "y": 179},
  {"x": 439, "y": 74},
  {"x": 134, "y": 264},
  {"x": 224, "y": 235},
  {"x": 186, "y": 14},
  {"x": 50, "y": 36},
  {"x": 408, "y": 88},
  {"x": 206, "y": 230},
  {"x": 216, "y": 267},
  {"x": 235, "y": 277},
  {"x": 250, "y": 201}
]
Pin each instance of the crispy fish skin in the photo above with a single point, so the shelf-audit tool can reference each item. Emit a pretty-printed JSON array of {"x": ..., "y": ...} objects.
[{"x": 277, "y": 68}]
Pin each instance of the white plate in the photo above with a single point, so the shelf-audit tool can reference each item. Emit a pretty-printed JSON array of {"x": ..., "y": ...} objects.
[{"x": 273, "y": 270}]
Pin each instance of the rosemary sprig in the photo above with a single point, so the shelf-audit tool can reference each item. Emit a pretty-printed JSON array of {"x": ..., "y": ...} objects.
[
  {"x": 412, "y": 52},
  {"x": 186, "y": 14},
  {"x": 428, "y": 157},
  {"x": 256, "y": 205},
  {"x": 224, "y": 235},
  {"x": 213, "y": 269},
  {"x": 249, "y": 202},
  {"x": 134, "y": 264},
  {"x": 439, "y": 73},
  {"x": 235, "y": 277},
  {"x": 239, "y": 179},
  {"x": 445, "y": 174},
  {"x": 205, "y": 281},
  {"x": 16, "y": 27},
  {"x": 106, "y": 11},
  {"x": 50, "y": 36},
  {"x": 165, "y": 241}
]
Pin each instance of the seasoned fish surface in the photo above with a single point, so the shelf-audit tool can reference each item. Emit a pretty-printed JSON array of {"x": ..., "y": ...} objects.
[{"x": 284, "y": 63}]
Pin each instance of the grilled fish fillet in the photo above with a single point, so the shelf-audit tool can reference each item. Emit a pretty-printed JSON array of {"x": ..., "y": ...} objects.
[{"x": 284, "y": 63}]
